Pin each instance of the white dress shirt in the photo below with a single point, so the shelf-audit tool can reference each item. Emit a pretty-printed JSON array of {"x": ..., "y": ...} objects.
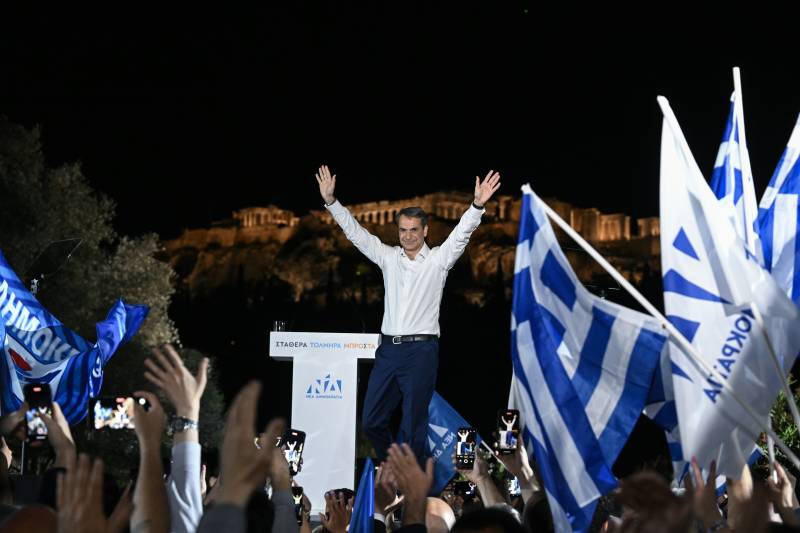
[
  {"x": 413, "y": 288},
  {"x": 183, "y": 489}
]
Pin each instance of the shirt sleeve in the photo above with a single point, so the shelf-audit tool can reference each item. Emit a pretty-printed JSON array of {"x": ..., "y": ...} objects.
[
  {"x": 452, "y": 248},
  {"x": 183, "y": 489},
  {"x": 367, "y": 243},
  {"x": 285, "y": 520},
  {"x": 223, "y": 517}
]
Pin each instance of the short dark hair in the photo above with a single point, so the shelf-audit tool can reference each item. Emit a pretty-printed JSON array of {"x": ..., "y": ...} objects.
[{"x": 413, "y": 212}]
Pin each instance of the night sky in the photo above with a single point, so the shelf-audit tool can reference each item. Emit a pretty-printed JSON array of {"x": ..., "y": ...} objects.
[{"x": 183, "y": 117}]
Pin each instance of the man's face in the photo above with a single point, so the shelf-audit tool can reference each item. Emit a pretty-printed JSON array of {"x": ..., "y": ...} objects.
[{"x": 412, "y": 233}]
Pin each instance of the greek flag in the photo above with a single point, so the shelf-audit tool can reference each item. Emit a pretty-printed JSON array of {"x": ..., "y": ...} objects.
[
  {"x": 778, "y": 220},
  {"x": 709, "y": 290},
  {"x": 660, "y": 408},
  {"x": 732, "y": 183},
  {"x": 732, "y": 178},
  {"x": 583, "y": 368},
  {"x": 38, "y": 348}
]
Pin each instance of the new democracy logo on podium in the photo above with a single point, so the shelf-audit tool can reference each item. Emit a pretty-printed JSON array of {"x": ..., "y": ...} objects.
[{"x": 328, "y": 387}]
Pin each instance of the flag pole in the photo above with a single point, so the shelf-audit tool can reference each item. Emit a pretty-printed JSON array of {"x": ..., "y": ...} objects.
[
  {"x": 744, "y": 160},
  {"x": 750, "y": 242},
  {"x": 676, "y": 335}
]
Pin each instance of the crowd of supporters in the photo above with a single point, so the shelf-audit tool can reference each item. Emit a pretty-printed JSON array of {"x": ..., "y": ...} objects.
[{"x": 252, "y": 489}]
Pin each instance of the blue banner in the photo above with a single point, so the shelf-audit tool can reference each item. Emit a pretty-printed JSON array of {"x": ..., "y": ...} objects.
[
  {"x": 38, "y": 348},
  {"x": 443, "y": 424},
  {"x": 364, "y": 506}
]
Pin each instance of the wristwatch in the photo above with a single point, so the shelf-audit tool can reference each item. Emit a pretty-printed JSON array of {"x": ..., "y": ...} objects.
[{"x": 181, "y": 423}]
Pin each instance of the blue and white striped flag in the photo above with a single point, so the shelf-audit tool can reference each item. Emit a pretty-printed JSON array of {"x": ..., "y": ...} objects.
[
  {"x": 38, "y": 348},
  {"x": 661, "y": 409},
  {"x": 583, "y": 368},
  {"x": 709, "y": 290},
  {"x": 778, "y": 219},
  {"x": 732, "y": 178},
  {"x": 732, "y": 183}
]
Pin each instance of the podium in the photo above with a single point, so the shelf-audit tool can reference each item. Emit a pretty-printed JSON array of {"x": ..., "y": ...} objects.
[{"x": 324, "y": 399}]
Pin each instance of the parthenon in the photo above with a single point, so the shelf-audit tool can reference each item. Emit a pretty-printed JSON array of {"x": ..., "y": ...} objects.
[
  {"x": 265, "y": 216},
  {"x": 443, "y": 205},
  {"x": 591, "y": 222}
]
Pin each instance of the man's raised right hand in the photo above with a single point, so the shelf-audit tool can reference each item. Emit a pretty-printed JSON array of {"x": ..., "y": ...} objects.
[{"x": 327, "y": 184}]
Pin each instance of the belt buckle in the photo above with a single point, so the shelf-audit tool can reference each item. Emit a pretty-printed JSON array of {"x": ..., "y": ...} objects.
[{"x": 397, "y": 339}]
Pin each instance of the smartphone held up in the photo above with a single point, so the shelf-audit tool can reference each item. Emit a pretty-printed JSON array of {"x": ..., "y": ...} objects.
[
  {"x": 292, "y": 443},
  {"x": 115, "y": 412},
  {"x": 507, "y": 431},
  {"x": 40, "y": 402},
  {"x": 465, "y": 448}
]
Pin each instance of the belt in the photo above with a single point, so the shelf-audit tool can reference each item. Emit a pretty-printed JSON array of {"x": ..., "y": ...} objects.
[{"x": 400, "y": 339}]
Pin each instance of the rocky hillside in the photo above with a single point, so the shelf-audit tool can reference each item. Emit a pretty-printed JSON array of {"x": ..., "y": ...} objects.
[{"x": 314, "y": 260}]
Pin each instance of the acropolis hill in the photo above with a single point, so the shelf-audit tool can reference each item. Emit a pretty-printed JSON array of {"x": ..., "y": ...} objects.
[{"x": 262, "y": 245}]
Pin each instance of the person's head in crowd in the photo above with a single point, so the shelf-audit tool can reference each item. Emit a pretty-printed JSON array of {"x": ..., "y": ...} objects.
[
  {"x": 537, "y": 518},
  {"x": 30, "y": 519},
  {"x": 439, "y": 517},
  {"x": 490, "y": 520},
  {"x": 650, "y": 505}
]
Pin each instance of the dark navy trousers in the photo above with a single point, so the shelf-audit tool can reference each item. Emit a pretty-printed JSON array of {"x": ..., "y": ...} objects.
[{"x": 402, "y": 373}]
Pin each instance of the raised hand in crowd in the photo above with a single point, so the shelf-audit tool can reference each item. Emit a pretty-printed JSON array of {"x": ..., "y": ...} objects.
[
  {"x": 151, "y": 511},
  {"x": 184, "y": 391},
  {"x": 243, "y": 467},
  {"x": 338, "y": 511},
  {"x": 748, "y": 505},
  {"x": 486, "y": 188},
  {"x": 12, "y": 422},
  {"x": 60, "y": 437},
  {"x": 518, "y": 465},
  {"x": 284, "y": 520},
  {"x": 181, "y": 388},
  {"x": 327, "y": 184},
  {"x": 305, "y": 527},
  {"x": 5, "y": 452},
  {"x": 6, "y": 489},
  {"x": 79, "y": 497},
  {"x": 411, "y": 480},
  {"x": 279, "y": 477},
  {"x": 703, "y": 495},
  {"x": 386, "y": 498},
  {"x": 740, "y": 492},
  {"x": 203, "y": 482},
  {"x": 480, "y": 476},
  {"x": 783, "y": 497}
]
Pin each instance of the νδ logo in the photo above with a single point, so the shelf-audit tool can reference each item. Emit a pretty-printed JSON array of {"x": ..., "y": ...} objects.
[
  {"x": 444, "y": 438},
  {"x": 328, "y": 387}
]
